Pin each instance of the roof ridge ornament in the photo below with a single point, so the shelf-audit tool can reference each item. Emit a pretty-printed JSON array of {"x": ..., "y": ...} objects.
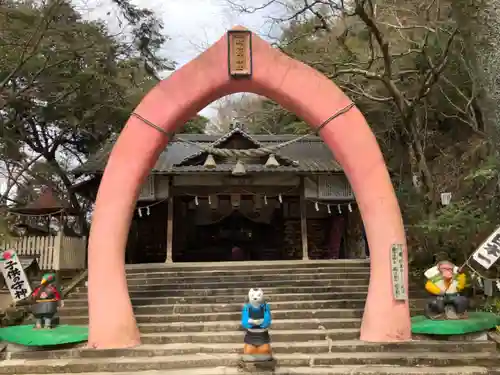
[{"x": 237, "y": 125}]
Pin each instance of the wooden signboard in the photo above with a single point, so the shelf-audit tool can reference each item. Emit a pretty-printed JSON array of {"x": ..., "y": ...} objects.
[
  {"x": 398, "y": 273},
  {"x": 240, "y": 53},
  {"x": 15, "y": 277}
]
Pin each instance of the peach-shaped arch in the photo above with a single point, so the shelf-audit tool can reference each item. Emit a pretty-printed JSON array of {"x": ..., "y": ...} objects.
[{"x": 295, "y": 86}]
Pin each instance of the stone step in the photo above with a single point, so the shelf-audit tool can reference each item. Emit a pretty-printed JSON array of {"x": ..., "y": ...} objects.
[
  {"x": 184, "y": 362},
  {"x": 249, "y": 279},
  {"x": 81, "y": 292},
  {"x": 222, "y": 326},
  {"x": 264, "y": 284},
  {"x": 225, "y": 316},
  {"x": 229, "y": 272},
  {"x": 237, "y": 336},
  {"x": 271, "y": 298},
  {"x": 311, "y": 347},
  {"x": 247, "y": 265},
  {"x": 234, "y": 325},
  {"x": 230, "y": 307},
  {"x": 236, "y": 316},
  {"x": 330, "y": 370}
]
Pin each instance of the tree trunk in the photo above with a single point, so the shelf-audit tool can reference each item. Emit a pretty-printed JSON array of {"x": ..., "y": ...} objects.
[
  {"x": 72, "y": 196},
  {"x": 418, "y": 161}
]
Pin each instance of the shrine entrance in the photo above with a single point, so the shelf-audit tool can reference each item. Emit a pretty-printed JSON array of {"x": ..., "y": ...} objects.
[
  {"x": 243, "y": 62},
  {"x": 234, "y": 238}
]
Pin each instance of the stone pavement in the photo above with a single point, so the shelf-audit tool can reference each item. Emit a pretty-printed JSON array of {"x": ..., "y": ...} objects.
[{"x": 189, "y": 318}]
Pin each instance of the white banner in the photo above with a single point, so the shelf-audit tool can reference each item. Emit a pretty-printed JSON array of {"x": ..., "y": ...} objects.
[
  {"x": 15, "y": 277},
  {"x": 489, "y": 251}
]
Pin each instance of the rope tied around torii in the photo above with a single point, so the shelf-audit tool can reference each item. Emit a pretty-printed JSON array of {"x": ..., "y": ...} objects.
[{"x": 255, "y": 152}]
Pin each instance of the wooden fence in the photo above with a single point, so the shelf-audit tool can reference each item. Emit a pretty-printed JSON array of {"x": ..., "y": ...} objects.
[{"x": 52, "y": 252}]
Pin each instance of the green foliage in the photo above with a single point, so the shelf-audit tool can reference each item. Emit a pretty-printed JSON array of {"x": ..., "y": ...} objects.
[
  {"x": 460, "y": 227},
  {"x": 486, "y": 173},
  {"x": 67, "y": 85},
  {"x": 148, "y": 37},
  {"x": 411, "y": 70},
  {"x": 492, "y": 305},
  {"x": 73, "y": 89},
  {"x": 196, "y": 125}
]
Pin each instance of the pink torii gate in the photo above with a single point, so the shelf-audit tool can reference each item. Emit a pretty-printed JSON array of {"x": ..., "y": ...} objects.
[{"x": 298, "y": 88}]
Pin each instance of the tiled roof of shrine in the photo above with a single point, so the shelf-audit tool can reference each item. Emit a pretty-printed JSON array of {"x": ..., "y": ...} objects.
[{"x": 185, "y": 154}]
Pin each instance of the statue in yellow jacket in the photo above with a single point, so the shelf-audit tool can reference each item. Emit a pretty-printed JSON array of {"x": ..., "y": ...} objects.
[{"x": 445, "y": 282}]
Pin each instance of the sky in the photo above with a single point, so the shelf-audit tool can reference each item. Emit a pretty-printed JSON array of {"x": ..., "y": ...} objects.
[{"x": 191, "y": 25}]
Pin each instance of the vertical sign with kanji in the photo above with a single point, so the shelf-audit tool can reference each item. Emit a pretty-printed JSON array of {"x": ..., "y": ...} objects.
[
  {"x": 15, "y": 277},
  {"x": 240, "y": 53},
  {"x": 398, "y": 273}
]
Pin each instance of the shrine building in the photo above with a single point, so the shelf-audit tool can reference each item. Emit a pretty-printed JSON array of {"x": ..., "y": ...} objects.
[{"x": 199, "y": 206}]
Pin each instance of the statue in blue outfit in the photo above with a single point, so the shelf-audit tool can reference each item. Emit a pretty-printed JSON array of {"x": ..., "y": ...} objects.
[{"x": 256, "y": 320}]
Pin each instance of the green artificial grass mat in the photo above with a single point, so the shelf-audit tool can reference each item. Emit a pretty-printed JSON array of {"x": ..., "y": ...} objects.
[
  {"x": 477, "y": 321},
  {"x": 28, "y": 336}
]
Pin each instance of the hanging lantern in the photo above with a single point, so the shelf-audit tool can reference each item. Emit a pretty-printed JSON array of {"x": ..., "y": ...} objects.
[
  {"x": 239, "y": 169},
  {"x": 328, "y": 208},
  {"x": 349, "y": 207},
  {"x": 210, "y": 162},
  {"x": 445, "y": 199},
  {"x": 272, "y": 162}
]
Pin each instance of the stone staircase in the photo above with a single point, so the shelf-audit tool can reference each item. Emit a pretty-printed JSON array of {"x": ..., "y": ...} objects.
[{"x": 189, "y": 316}]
